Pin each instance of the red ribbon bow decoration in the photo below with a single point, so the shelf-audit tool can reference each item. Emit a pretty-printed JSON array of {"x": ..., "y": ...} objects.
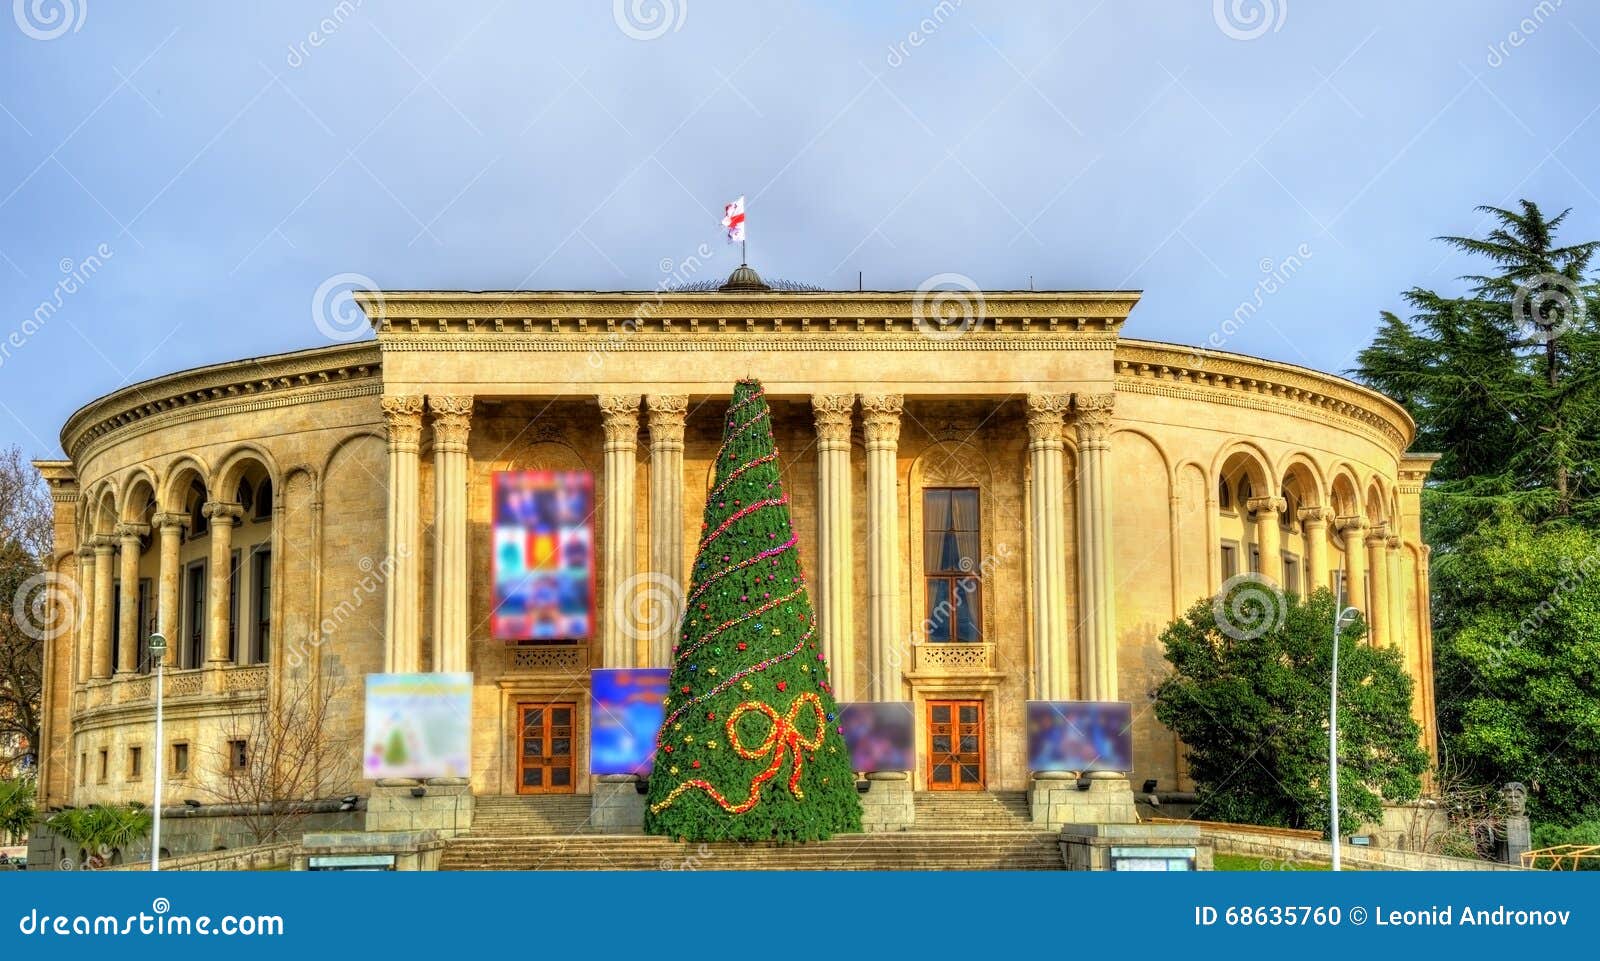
[{"x": 783, "y": 738}]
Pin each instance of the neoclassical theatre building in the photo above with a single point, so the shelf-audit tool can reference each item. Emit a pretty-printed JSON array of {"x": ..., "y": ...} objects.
[{"x": 329, "y": 510}]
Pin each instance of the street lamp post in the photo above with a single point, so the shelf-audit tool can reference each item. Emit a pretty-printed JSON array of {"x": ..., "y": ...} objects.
[
  {"x": 158, "y": 653},
  {"x": 1343, "y": 618}
]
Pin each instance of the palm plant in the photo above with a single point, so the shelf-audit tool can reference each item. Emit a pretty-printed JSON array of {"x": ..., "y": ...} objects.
[
  {"x": 17, "y": 809},
  {"x": 101, "y": 830}
]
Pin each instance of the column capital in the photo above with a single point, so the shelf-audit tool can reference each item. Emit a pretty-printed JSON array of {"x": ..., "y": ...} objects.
[
  {"x": 1378, "y": 535},
  {"x": 668, "y": 412},
  {"x": 1271, "y": 505},
  {"x": 403, "y": 415},
  {"x": 452, "y": 420},
  {"x": 880, "y": 415},
  {"x": 1315, "y": 516},
  {"x": 1348, "y": 525},
  {"x": 168, "y": 520},
  {"x": 619, "y": 415},
  {"x": 1046, "y": 418},
  {"x": 833, "y": 413},
  {"x": 102, "y": 544},
  {"x": 224, "y": 513},
  {"x": 1394, "y": 541},
  {"x": 1093, "y": 418},
  {"x": 132, "y": 532}
]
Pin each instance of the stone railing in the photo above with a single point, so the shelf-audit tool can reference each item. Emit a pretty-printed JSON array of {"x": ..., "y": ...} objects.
[
  {"x": 952, "y": 658},
  {"x": 260, "y": 857},
  {"x": 547, "y": 659},
  {"x": 134, "y": 690},
  {"x": 185, "y": 683},
  {"x": 251, "y": 680},
  {"x": 1278, "y": 847}
]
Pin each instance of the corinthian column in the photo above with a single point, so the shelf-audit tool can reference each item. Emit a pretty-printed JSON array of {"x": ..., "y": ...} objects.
[
  {"x": 1377, "y": 541},
  {"x": 129, "y": 537},
  {"x": 1314, "y": 523},
  {"x": 667, "y": 415},
  {"x": 403, "y": 640},
  {"x": 881, "y": 417},
  {"x": 169, "y": 533},
  {"x": 1399, "y": 623},
  {"x": 221, "y": 515},
  {"x": 620, "y": 418},
  {"x": 1095, "y": 569},
  {"x": 1269, "y": 541},
  {"x": 1047, "y": 561},
  {"x": 104, "y": 546},
  {"x": 1354, "y": 530},
  {"x": 835, "y": 593},
  {"x": 452, "y": 421},
  {"x": 88, "y": 587}
]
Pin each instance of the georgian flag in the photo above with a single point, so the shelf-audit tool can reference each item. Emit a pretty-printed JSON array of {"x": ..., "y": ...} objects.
[{"x": 733, "y": 219}]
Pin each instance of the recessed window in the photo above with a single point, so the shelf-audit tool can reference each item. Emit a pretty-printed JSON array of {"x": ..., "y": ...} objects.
[
  {"x": 180, "y": 759},
  {"x": 238, "y": 756},
  {"x": 260, "y": 606},
  {"x": 263, "y": 506},
  {"x": 951, "y": 564},
  {"x": 1224, "y": 495},
  {"x": 1291, "y": 573},
  {"x": 105, "y": 765},
  {"x": 135, "y": 763},
  {"x": 1230, "y": 560}
]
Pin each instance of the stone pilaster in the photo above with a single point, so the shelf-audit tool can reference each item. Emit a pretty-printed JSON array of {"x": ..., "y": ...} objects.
[
  {"x": 667, "y": 415},
  {"x": 1047, "y": 561},
  {"x": 1314, "y": 524},
  {"x": 87, "y": 587},
  {"x": 881, "y": 418},
  {"x": 1377, "y": 543},
  {"x": 1269, "y": 539},
  {"x": 169, "y": 535},
  {"x": 403, "y": 638},
  {"x": 1354, "y": 530},
  {"x": 222, "y": 516},
  {"x": 104, "y": 548},
  {"x": 130, "y": 538},
  {"x": 834, "y": 590},
  {"x": 452, "y": 422},
  {"x": 1096, "y": 576},
  {"x": 620, "y": 420}
]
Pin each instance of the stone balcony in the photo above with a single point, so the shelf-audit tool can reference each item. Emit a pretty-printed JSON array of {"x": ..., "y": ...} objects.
[
  {"x": 560, "y": 659},
  {"x": 134, "y": 691}
]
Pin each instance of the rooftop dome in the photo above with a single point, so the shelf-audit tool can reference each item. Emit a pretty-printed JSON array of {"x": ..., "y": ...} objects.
[{"x": 744, "y": 277}]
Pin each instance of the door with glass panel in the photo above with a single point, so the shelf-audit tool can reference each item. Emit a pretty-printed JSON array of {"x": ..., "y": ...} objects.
[
  {"x": 955, "y": 746},
  {"x": 544, "y": 749}
]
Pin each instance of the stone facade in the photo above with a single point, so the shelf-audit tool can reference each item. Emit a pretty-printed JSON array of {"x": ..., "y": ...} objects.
[{"x": 1119, "y": 481}]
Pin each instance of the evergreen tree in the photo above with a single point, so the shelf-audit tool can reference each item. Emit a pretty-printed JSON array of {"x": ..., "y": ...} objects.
[{"x": 750, "y": 749}]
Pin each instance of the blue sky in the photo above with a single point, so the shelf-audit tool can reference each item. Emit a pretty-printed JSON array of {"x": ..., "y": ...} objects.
[{"x": 217, "y": 165}]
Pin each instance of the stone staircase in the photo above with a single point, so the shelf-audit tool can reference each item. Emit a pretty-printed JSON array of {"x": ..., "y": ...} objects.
[{"x": 975, "y": 831}]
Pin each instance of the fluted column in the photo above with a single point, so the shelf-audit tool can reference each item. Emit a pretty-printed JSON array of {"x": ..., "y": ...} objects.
[
  {"x": 1314, "y": 524},
  {"x": 88, "y": 585},
  {"x": 881, "y": 418},
  {"x": 834, "y": 587},
  {"x": 222, "y": 516},
  {"x": 452, "y": 422},
  {"x": 667, "y": 415},
  {"x": 1269, "y": 540},
  {"x": 1399, "y": 623},
  {"x": 620, "y": 420},
  {"x": 1354, "y": 530},
  {"x": 1047, "y": 561},
  {"x": 1377, "y": 542},
  {"x": 169, "y": 534},
  {"x": 401, "y": 612},
  {"x": 104, "y": 548},
  {"x": 1095, "y": 567},
  {"x": 129, "y": 539}
]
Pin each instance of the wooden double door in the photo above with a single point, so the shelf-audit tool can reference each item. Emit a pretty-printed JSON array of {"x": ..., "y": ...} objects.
[
  {"x": 955, "y": 745},
  {"x": 545, "y": 756}
]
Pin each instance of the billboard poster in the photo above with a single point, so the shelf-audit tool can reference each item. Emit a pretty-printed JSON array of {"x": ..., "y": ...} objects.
[
  {"x": 418, "y": 726},
  {"x": 544, "y": 580},
  {"x": 879, "y": 734},
  {"x": 626, "y": 710},
  {"x": 1080, "y": 736}
]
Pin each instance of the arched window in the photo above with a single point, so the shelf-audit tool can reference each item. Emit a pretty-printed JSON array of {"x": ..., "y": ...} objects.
[
  {"x": 198, "y": 526},
  {"x": 1224, "y": 495},
  {"x": 263, "y": 507}
]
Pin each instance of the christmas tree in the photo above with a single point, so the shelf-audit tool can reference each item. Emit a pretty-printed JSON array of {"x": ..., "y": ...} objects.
[{"x": 750, "y": 749}]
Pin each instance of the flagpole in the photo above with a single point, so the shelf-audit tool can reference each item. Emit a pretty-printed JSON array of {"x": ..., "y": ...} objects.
[{"x": 744, "y": 261}]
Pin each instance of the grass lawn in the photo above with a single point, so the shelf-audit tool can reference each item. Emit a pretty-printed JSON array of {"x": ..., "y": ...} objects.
[{"x": 1251, "y": 862}]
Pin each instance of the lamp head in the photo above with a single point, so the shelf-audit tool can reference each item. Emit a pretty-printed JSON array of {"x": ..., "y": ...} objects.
[
  {"x": 158, "y": 644},
  {"x": 1347, "y": 617}
]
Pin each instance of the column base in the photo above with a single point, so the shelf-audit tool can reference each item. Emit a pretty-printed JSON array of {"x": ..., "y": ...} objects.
[
  {"x": 888, "y": 805},
  {"x": 1054, "y": 799},
  {"x": 616, "y": 806},
  {"x": 442, "y": 805}
]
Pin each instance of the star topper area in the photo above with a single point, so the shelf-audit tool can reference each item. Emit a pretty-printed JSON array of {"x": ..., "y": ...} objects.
[{"x": 733, "y": 221}]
